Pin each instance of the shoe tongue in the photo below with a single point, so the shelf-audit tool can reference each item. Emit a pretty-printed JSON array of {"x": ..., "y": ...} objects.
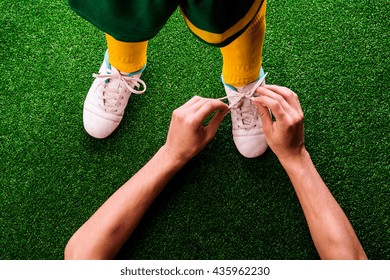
[
  {"x": 110, "y": 99},
  {"x": 111, "y": 92},
  {"x": 125, "y": 73},
  {"x": 114, "y": 83},
  {"x": 247, "y": 88},
  {"x": 247, "y": 111}
]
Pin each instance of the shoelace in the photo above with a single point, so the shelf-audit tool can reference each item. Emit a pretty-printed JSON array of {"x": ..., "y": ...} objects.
[
  {"x": 240, "y": 96},
  {"x": 248, "y": 115},
  {"x": 111, "y": 96}
]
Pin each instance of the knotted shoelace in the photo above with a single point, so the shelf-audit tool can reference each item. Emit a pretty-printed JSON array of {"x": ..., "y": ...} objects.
[
  {"x": 240, "y": 96},
  {"x": 110, "y": 95},
  {"x": 247, "y": 114}
]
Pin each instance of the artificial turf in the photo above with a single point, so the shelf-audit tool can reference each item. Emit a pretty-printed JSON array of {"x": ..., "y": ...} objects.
[{"x": 334, "y": 54}]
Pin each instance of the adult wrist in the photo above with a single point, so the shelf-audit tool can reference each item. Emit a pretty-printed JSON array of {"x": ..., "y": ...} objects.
[
  {"x": 172, "y": 158},
  {"x": 296, "y": 161}
]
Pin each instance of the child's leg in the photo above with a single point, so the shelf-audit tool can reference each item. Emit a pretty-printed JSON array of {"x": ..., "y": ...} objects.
[
  {"x": 243, "y": 57},
  {"x": 131, "y": 21},
  {"x": 238, "y": 28},
  {"x": 126, "y": 57},
  {"x": 242, "y": 52}
]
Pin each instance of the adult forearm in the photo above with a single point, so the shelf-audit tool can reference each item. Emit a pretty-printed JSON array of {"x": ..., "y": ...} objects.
[
  {"x": 105, "y": 232},
  {"x": 330, "y": 228}
]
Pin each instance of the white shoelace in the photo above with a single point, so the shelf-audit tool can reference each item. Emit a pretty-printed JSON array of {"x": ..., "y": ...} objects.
[
  {"x": 240, "y": 96},
  {"x": 247, "y": 115},
  {"x": 110, "y": 95}
]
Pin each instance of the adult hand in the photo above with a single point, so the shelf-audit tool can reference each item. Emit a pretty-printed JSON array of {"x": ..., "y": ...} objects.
[
  {"x": 187, "y": 135},
  {"x": 285, "y": 135}
]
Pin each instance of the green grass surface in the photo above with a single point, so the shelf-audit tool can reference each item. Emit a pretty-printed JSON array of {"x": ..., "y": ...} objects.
[{"x": 334, "y": 54}]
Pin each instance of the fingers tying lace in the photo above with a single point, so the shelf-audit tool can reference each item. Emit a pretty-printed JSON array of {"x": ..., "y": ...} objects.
[{"x": 238, "y": 97}]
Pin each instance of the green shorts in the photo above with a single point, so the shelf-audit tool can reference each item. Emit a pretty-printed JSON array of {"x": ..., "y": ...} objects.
[{"x": 141, "y": 20}]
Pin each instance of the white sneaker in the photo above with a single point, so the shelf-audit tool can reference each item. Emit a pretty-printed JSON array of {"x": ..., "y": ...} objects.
[
  {"x": 247, "y": 128},
  {"x": 107, "y": 99}
]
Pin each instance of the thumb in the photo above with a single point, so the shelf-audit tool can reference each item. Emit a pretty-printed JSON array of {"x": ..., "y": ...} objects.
[
  {"x": 214, "y": 123},
  {"x": 265, "y": 116}
]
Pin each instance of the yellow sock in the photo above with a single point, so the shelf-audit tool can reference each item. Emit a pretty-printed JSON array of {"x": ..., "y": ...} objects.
[
  {"x": 126, "y": 57},
  {"x": 243, "y": 57}
]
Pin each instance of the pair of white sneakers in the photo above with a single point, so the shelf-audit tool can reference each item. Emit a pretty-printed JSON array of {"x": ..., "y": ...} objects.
[{"x": 109, "y": 94}]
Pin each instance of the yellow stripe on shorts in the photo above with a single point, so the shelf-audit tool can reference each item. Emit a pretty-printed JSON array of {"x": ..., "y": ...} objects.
[{"x": 215, "y": 38}]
